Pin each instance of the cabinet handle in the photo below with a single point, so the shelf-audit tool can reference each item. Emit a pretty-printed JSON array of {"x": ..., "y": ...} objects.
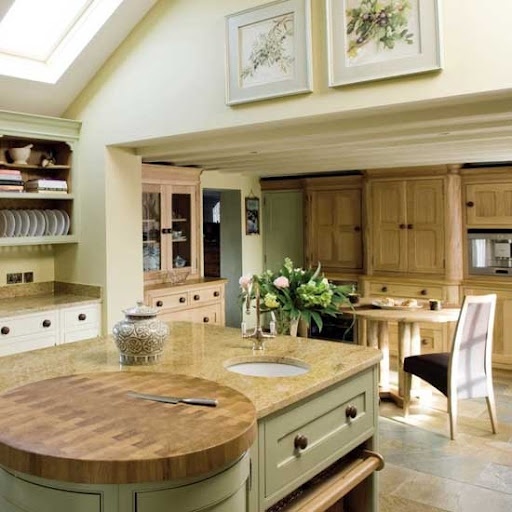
[
  {"x": 351, "y": 411},
  {"x": 410, "y": 226},
  {"x": 357, "y": 228},
  {"x": 216, "y": 294},
  {"x": 47, "y": 323},
  {"x": 300, "y": 442},
  {"x": 5, "y": 330},
  {"x": 384, "y": 289},
  {"x": 424, "y": 292},
  {"x": 424, "y": 341},
  {"x": 206, "y": 319},
  {"x": 159, "y": 303},
  {"x": 82, "y": 317},
  {"x": 166, "y": 231},
  {"x": 470, "y": 204},
  {"x": 182, "y": 300},
  {"x": 402, "y": 226},
  {"x": 197, "y": 297}
]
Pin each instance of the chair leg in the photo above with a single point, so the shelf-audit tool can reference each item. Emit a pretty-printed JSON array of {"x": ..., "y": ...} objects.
[
  {"x": 452, "y": 413},
  {"x": 407, "y": 392},
  {"x": 491, "y": 406}
]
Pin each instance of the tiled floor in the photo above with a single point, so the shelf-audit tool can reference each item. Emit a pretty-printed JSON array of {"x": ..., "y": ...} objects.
[{"x": 427, "y": 472}]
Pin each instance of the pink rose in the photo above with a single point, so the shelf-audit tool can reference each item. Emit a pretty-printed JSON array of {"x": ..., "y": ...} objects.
[
  {"x": 245, "y": 282},
  {"x": 281, "y": 282}
]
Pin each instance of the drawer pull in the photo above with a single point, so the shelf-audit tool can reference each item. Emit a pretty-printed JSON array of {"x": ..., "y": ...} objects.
[
  {"x": 384, "y": 289},
  {"x": 182, "y": 300},
  {"x": 197, "y": 297},
  {"x": 424, "y": 292},
  {"x": 424, "y": 341},
  {"x": 159, "y": 303},
  {"x": 82, "y": 317},
  {"x": 470, "y": 204},
  {"x": 206, "y": 319},
  {"x": 216, "y": 294},
  {"x": 410, "y": 226},
  {"x": 47, "y": 323},
  {"x": 357, "y": 229},
  {"x": 300, "y": 442},
  {"x": 5, "y": 330},
  {"x": 351, "y": 411},
  {"x": 402, "y": 226}
]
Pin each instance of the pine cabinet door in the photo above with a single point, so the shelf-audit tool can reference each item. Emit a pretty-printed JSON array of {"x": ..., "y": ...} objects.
[
  {"x": 389, "y": 226},
  {"x": 425, "y": 226},
  {"x": 488, "y": 204}
]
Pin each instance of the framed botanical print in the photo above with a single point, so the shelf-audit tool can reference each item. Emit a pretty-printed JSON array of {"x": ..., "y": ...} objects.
[
  {"x": 252, "y": 216},
  {"x": 371, "y": 40},
  {"x": 268, "y": 51}
]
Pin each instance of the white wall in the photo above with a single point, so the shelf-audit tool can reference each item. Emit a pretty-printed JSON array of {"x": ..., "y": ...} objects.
[{"x": 168, "y": 78}]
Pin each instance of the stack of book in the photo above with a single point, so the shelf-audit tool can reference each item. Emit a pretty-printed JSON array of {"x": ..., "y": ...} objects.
[
  {"x": 10, "y": 180},
  {"x": 47, "y": 186}
]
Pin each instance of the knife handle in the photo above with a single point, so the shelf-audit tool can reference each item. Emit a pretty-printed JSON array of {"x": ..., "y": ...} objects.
[{"x": 200, "y": 401}]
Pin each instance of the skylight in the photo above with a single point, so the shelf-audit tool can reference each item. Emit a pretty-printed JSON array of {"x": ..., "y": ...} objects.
[{"x": 40, "y": 39}]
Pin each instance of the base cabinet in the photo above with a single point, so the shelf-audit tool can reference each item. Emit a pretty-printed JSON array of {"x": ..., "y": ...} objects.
[{"x": 224, "y": 491}]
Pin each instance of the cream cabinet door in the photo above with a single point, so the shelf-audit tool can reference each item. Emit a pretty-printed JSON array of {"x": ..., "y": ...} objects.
[
  {"x": 488, "y": 204},
  {"x": 425, "y": 226},
  {"x": 335, "y": 236}
]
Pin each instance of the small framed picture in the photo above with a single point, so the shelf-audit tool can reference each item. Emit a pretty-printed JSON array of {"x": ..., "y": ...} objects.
[
  {"x": 268, "y": 51},
  {"x": 252, "y": 216},
  {"x": 369, "y": 40}
]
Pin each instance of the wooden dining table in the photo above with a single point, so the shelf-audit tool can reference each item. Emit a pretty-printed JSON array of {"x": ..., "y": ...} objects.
[{"x": 373, "y": 331}]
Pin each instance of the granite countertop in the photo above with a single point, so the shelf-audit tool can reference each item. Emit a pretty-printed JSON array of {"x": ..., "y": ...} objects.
[
  {"x": 200, "y": 350},
  {"x": 22, "y": 305}
]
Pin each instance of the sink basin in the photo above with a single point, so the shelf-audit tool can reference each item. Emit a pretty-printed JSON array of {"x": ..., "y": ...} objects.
[{"x": 268, "y": 367}]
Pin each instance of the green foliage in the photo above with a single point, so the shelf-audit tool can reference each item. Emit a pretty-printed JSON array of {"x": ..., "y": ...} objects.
[{"x": 375, "y": 20}]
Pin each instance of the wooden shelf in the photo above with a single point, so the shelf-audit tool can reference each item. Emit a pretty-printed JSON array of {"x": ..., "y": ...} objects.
[
  {"x": 21, "y": 167},
  {"x": 38, "y": 240}
]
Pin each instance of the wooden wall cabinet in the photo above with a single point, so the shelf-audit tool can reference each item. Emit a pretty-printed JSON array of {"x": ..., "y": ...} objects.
[
  {"x": 170, "y": 224},
  {"x": 37, "y": 216},
  {"x": 334, "y": 223}
]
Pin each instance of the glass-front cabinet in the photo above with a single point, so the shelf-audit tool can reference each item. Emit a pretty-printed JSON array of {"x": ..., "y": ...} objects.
[{"x": 170, "y": 227}]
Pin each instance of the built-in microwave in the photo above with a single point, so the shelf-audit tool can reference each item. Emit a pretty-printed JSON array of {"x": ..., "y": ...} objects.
[{"x": 490, "y": 251}]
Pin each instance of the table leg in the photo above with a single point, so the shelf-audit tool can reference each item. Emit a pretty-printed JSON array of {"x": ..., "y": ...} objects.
[
  {"x": 404, "y": 350},
  {"x": 383, "y": 336}
]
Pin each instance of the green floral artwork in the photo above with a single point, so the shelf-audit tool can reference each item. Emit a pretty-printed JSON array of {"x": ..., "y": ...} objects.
[
  {"x": 269, "y": 47},
  {"x": 382, "y": 22}
]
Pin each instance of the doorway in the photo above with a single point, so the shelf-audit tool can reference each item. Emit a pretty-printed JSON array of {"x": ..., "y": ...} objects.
[{"x": 222, "y": 245}]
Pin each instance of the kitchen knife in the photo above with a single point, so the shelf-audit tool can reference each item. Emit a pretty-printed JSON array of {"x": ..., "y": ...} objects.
[{"x": 175, "y": 400}]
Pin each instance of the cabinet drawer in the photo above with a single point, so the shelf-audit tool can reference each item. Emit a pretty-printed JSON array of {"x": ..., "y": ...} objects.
[
  {"x": 16, "y": 344},
  {"x": 328, "y": 428},
  {"x": 168, "y": 300},
  {"x": 211, "y": 314},
  {"x": 383, "y": 288},
  {"x": 36, "y": 324},
  {"x": 202, "y": 295},
  {"x": 431, "y": 336},
  {"x": 80, "y": 317}
]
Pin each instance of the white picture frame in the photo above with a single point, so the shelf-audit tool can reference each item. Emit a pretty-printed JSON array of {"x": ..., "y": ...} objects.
[
  {"x": 360, "y": 49},
  {"x": 252, "y": 74}
]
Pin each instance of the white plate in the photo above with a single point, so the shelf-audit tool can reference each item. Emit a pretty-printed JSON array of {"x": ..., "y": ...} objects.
[
  {"x": 51, "y": 223},
  {"x": 32, "y": 223},
  {"x": 67, "y": 222},
  {"x": 25, "y": 222},
  {"x": 378, "y": 304},
  {"x": 3, "y": 223},
  {"x": 9, "y": 231},
  {"x": 40, "y": 223},
  {"x": 17, "y": 222},
  {"x": 60, "y": 222}
]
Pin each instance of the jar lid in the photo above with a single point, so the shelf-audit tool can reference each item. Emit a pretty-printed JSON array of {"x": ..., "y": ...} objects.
[{"x": 140, "y": 311}]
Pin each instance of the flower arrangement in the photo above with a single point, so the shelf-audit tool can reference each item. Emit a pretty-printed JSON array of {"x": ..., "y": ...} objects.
[{"x": 294, "y": 293}]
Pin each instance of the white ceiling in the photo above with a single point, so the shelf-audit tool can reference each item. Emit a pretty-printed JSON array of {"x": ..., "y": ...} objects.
[{"x": 461, "y": 130}]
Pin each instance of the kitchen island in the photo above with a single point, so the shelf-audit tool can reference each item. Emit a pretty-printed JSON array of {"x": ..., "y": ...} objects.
[{"x": 306, "y": 423}]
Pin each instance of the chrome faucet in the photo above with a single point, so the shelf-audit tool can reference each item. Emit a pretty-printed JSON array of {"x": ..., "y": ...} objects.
[{"x": 257, "y": 335}]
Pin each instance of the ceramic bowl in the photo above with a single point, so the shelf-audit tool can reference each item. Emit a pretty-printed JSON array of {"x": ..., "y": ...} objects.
[{"x": 20, "y": 155}]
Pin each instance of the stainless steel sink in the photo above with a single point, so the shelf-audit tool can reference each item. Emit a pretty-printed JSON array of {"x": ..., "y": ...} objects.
[{"x": 262, "y": 366}]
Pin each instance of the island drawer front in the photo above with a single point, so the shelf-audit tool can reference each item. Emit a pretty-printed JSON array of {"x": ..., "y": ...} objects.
[
  {"x": 329, "y": 430},
  {"x": 81, "y": 317},
  {"x": 382, "y": 288},
  {"x": 28, "y": 497},
  {"x": 28, "y": 342},
  {"x": 44, "y": 323},
  {"x": 211, "y": 314},
  {"x": 165, "y": 301}
]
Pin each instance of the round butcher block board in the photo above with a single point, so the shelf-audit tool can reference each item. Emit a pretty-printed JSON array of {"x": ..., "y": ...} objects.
[{"x": 86, "y": 429}]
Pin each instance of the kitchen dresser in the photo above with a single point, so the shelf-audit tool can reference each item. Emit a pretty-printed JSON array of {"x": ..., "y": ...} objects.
[
  {"x": 171, "y": 244},
  {"x": 53, "y": 142}
]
